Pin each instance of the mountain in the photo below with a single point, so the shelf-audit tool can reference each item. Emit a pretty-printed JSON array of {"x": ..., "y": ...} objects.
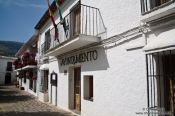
[{"x": 9, "y": 48}]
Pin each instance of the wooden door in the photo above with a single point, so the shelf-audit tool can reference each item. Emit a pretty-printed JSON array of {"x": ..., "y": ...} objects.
[
  {"x": 46, "y": 73},
  {"x": 77, "y": 88}
]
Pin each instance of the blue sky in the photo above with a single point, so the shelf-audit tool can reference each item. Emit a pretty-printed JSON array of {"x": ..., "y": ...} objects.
[{"x": 19, "y": 17}]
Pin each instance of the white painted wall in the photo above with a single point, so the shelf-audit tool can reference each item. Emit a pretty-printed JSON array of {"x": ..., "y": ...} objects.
[
  {"x": 3, "y": 66},
  {"x": 119, "y": 83},
  {"x": 118, "y": 15},
  {"x": 121, "y": 88}
]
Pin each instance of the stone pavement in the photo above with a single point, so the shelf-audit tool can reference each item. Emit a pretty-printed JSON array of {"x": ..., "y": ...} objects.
[{"x": 14, "y": 102}]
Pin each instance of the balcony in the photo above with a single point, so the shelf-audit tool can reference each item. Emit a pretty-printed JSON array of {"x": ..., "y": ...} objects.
[
  {"x": 27, "y": 61},
  {"x": 81, "y": 27},
  {"x": 156, "y": 9}
]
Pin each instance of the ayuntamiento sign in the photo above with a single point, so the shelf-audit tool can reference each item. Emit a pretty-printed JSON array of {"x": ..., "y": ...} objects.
[{"x": 79, "y": 58}]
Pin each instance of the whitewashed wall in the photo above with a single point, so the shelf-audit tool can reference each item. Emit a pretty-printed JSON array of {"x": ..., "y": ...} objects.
[
  {"x": 119, "y": 83},
  {"x": 3, "y": 66},
  {"x": 118, "y": 15}
]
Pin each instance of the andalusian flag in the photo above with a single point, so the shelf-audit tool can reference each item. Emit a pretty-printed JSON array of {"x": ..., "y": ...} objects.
[
  {"x": 63, "y": 22},
  {"x": 58, "y": 6},
  {"x": 53, "y": 21}
]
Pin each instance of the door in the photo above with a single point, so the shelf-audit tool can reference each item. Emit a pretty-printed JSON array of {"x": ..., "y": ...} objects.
[
  {"x": 77, "y": 88},
  {"x": 76, "y": 20},
  {"x": 46, "y": 73},
  {"x": 7, "y": 78}
]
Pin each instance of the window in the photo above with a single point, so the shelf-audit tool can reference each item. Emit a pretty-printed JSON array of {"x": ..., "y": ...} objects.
[
  {"x": 46, "y": 45},
  {"x": 148, "y": 5},
  {"x": 88, "y": 88},
  {"x": 9, "y": 66},
  {"x": 161, "y": 81}
]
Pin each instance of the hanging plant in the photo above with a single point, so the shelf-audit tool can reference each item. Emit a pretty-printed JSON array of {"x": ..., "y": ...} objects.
[
  {"x": 26, "y": 54},
  {"x": 34, "y": 78},
  {"x": 16, "y": 62}
]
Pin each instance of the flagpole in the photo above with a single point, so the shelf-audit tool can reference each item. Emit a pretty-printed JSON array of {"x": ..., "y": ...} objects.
[{"x": 53, "y": 21}]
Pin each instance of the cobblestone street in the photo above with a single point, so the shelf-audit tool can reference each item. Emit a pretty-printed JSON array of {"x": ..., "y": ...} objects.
[{"x": 14, "y": 102}]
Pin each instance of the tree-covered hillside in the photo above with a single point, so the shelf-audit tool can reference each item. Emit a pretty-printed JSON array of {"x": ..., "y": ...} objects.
[{"x": 9, "y": 48}]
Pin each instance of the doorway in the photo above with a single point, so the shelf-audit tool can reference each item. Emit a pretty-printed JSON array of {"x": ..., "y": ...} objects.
[
  {"x": 77, "y": 88},
  {"x": 7, "y": 78}
]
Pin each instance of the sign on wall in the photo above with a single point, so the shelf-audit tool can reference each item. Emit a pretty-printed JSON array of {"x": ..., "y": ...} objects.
[{"x": 79, "y": 58}]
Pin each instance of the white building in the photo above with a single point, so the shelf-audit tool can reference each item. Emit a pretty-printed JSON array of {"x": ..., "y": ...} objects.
[
  {"x": 26, "y": 65},
  {"x": 159, "y": 16},
  {"x": 7, "y": 76},
  {"x": 111, "y": 59}
]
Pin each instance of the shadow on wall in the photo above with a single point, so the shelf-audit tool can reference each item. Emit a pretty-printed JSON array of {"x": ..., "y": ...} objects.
[
  {"x": 124, "y": 41},
  {"x": 162, "y": 29},
  {"x": 47, "y": 113},
  {"x": 90, "y": 60}
]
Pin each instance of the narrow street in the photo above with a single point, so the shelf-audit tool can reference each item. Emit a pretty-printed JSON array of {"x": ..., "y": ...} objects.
[{"x": 14, "y": 102}]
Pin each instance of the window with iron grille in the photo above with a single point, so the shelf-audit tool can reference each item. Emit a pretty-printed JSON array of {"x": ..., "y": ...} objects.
[
  {"x": 9, "y": 66},
  {"x": 46, "y": 45},
  {"x": 161, "y": 82}
]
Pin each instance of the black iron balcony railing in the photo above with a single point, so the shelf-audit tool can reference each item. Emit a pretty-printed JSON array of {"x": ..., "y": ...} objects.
[
  {"x": 151, "y": 5},
  {"x": 82, "y": 19},
  {"x": 44, "y": 47}
]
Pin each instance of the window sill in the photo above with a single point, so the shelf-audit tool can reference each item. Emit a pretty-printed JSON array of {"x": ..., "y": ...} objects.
[
  {"x": 158, "y": 13},
  {"x": 89, "y": 99}
]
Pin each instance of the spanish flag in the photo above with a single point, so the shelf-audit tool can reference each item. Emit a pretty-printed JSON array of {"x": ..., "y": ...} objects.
[{"x": 53, "y": 21}]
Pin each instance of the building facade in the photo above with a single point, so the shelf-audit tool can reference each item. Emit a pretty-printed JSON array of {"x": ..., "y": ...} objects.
[
  {"x": 7, "y": 76},
  {"x": 159, "y": 18},
  {"x": 92, "y": 70},
  {"x": 111, "y": 57},
  {"x": 26, "y": 65}
]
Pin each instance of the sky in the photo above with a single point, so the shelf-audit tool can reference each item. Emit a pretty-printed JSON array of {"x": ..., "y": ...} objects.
[{"x": 19, "y": 17}]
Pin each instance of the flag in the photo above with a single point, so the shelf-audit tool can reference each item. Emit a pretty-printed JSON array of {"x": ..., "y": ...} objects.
[
  {"x": 63, "y": 21},
  {"x": 53, "y": 21},
  {"x": 58, "y": 7}
]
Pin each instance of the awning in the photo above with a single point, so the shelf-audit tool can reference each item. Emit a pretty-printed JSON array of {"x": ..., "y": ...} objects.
[
  {"x": 44, "y": 67},
  {"x": 165, "y": 41}
]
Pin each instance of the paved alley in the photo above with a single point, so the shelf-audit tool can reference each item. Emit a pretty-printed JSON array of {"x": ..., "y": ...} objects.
[{"x": 15, "y": 102}]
